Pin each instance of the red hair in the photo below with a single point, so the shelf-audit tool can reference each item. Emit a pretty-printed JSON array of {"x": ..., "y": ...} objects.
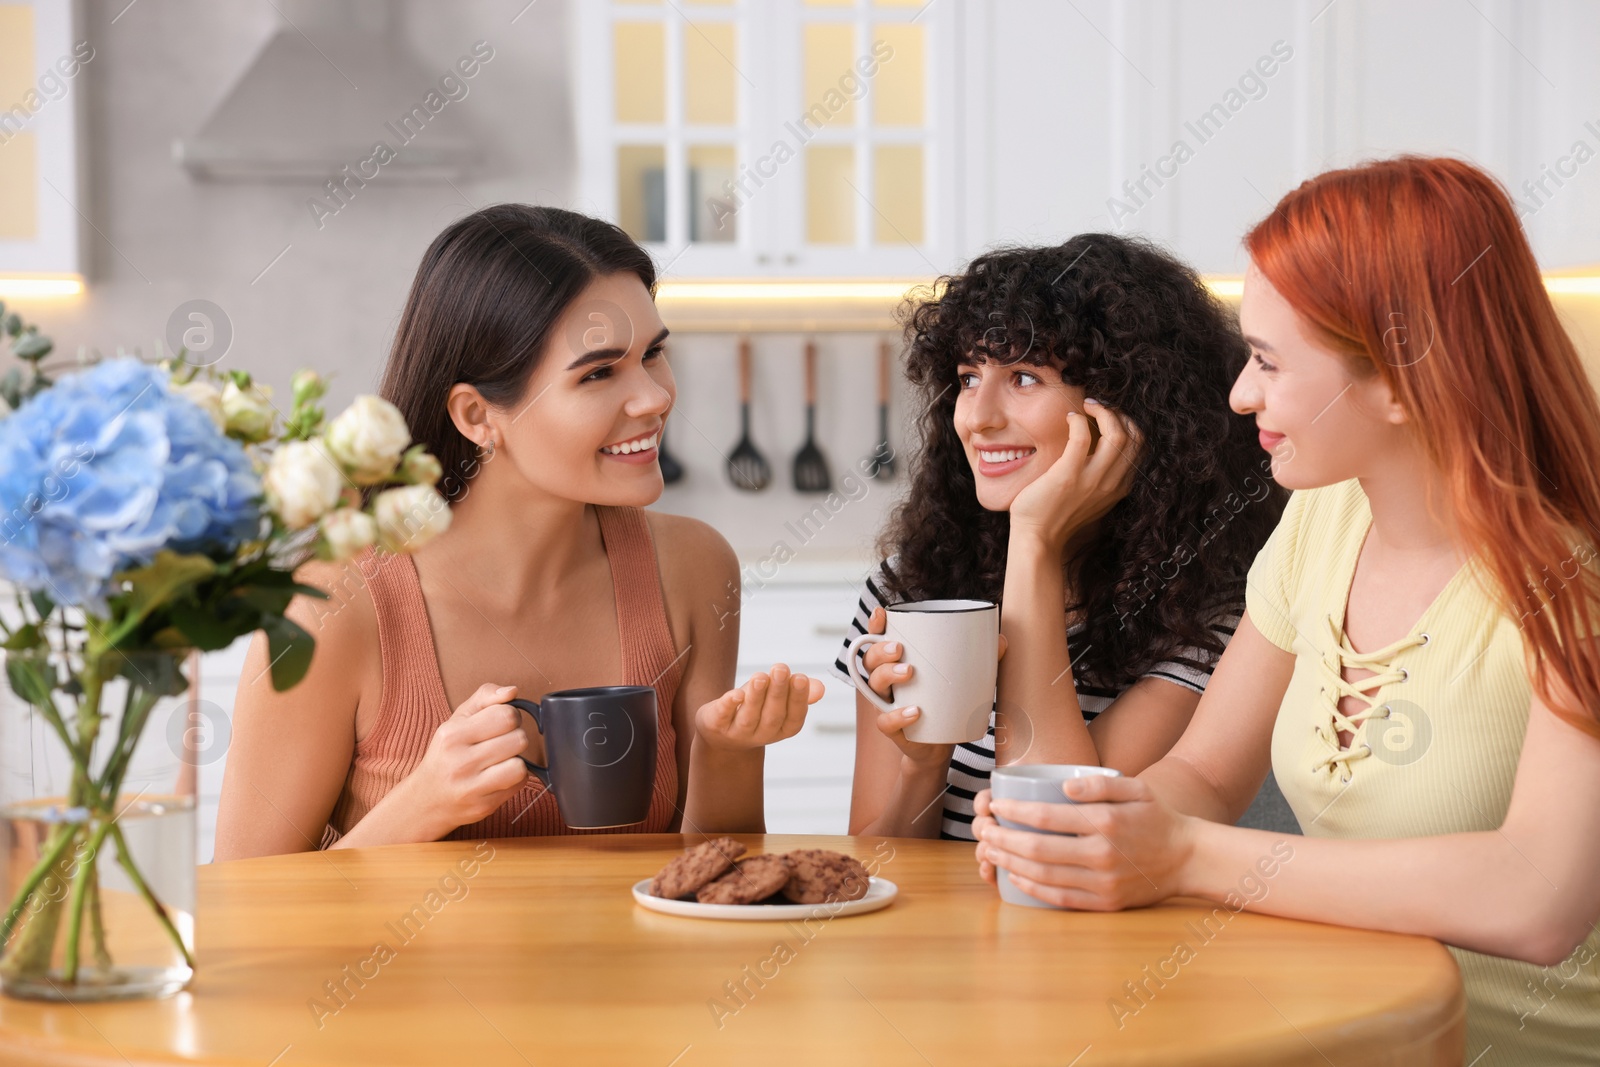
[{"x": 1417, "y": 269}]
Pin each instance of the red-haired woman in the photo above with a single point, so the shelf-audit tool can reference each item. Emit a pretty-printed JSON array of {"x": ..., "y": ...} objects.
[{"x": 1414, "y": 662}]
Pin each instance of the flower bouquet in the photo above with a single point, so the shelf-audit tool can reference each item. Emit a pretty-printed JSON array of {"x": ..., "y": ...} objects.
[{"x": 146, "y": 512}]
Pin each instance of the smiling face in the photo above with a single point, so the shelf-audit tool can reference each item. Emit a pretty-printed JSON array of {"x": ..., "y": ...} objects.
[
  {"x": 588, "y": 425},
  {"x": 1012, "y": 421},
  {"x": 1321, "y": 422}
]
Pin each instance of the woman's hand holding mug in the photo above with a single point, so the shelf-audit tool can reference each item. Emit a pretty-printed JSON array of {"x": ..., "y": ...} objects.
[
  {"x": 1130, "y": 848},
  {"x": 768, "y": 708},
  {"x": 884, "y": 671},
  {"x": 1080, "y": 487},
  {"x": 473, "y": 763}
]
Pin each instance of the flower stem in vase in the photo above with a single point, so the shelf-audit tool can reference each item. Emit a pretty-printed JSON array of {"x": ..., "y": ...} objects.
[
  {"x": 42, "y": 898},
  {"x": 82, "y": 879},
  {"x": 97, "y": 925},
  {"x": 125, "y": 858}
]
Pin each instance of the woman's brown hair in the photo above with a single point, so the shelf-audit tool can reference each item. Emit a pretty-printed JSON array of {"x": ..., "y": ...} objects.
[{"x": 486, "y": 296}]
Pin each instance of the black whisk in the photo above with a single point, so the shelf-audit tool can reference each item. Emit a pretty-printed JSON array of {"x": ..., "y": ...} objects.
[
  {"x": 747, "y": 468},
  {"x": 810, "y": 468},
  {"x": 880, "y": 465}
]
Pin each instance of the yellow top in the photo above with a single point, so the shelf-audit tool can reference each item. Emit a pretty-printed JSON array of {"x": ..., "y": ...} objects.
[{"x": 1434, "y": 750}]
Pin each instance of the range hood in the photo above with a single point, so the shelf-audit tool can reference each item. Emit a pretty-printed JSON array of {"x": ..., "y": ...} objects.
[{"x": 335, "y": 79}]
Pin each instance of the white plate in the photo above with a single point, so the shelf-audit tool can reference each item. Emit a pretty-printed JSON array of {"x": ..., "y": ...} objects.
[{"x": 880, "y": 893}]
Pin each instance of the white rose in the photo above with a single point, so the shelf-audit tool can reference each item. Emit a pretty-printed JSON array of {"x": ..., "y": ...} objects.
[
  {"x": 204, "y": 396},
  {"x": 302, "y": 483},
  {"x": 368, "y": 438},
  {"x": 421, "y": 468},
  {"x": 248, "y": 412},
  {"x": 410, "y": 516},
  {"x": 348, "y": 531}
]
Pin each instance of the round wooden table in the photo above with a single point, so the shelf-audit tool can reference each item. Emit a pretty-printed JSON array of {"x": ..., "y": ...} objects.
[{"x": 532, "y": 951}]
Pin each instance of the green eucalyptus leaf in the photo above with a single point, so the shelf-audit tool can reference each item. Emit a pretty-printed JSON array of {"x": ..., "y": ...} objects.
[
  {"x": 42, "y": 604},
  {"x": 13, "y": 324},
  {"x": 11, "y": 387},
  {"x": 289, "y": 649},
  {"x": 31, "y": 678},
  {"x": 32, "y": 347},
  {"x": 26, "y": 636}
]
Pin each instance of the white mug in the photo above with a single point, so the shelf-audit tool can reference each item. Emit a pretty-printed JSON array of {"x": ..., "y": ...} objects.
[{"x": 954, "y": 646}]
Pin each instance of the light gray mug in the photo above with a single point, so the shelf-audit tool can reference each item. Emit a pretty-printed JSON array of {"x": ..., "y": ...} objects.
[{"x": 1041, "y": 782}]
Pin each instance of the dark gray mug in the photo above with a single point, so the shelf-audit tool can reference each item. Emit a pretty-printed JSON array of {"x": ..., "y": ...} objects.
[{"x": 600, "y": 746}]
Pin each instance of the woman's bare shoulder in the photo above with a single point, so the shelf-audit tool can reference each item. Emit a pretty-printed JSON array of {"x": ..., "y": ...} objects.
[
  {"x": 691, "y": 546},
  {"x": 347, "y": 615},
  {"x": 698, "y": 566}
]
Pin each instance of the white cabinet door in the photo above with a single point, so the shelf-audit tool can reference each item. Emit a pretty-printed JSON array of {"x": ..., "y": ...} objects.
[
  {"x": 808, "y": 776},
  {"x": 41, "y": 65},
  {"x": 1186, "y": 122}
]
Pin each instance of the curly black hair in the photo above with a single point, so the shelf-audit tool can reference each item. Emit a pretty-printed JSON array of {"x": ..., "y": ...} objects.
[{"x": 1139, "y": 331}]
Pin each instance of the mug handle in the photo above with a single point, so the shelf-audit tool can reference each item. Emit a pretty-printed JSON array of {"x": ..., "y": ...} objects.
[
  {"x": 532, "y": 708},
  {"x": 852, "y": 660}
]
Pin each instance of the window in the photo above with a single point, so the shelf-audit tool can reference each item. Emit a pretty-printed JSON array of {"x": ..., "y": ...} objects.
[{"x": 772, "y": 137}]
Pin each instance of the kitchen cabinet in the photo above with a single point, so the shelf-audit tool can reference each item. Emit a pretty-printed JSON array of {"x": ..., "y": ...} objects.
[
  {"x": 802, "y": 624},
  {"x": 41, "y": 72},
  {"x": 1186, "y": 122},
  {"x": 1181, "y": 122},
  {"x": 785, "y": 138}
]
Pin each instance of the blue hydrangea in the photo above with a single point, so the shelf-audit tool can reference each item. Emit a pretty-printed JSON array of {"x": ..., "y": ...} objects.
[{"x": 104, "y": 468}]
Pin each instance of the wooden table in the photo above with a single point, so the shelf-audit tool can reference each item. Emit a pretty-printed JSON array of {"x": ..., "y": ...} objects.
[{"x": 539, "y": 955}]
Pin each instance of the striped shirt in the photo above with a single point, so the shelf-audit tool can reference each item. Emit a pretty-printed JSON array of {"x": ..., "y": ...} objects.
[{"x": 972, "y": 761}]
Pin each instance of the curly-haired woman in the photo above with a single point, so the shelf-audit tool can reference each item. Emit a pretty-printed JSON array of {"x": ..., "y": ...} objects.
[{"x": 1079, "y": 465}]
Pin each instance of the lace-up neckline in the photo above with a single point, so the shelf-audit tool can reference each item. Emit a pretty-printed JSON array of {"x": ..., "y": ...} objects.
[
  {"x": 1335, "y": 687},
  {"x": 1331, "y": 666}
]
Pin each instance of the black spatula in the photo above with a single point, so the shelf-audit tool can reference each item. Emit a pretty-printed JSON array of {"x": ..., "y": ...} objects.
[
  {"x": 747, "y": 468},
  {"x": 810, "y": 468},
  {"x": 880, "y": 465}
]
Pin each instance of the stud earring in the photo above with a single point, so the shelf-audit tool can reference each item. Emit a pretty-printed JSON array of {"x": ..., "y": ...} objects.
[{"x": 490, "y": 453}]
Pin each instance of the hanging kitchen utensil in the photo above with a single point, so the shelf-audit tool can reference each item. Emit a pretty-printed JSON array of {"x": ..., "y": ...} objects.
[
  {"x": 880, "y": 465},
  {"x": 671, "y": 469},
  {"x": 810, "y": 468},
  {"x": 747, "y": 468}
]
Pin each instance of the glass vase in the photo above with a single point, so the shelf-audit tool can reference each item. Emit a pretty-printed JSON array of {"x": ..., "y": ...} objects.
[{"x": 97, "y": 827}]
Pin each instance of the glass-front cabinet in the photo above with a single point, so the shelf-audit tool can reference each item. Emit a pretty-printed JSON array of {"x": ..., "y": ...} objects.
[
  {"x": 40, "y": 94},
  {"x": 750, "y": 138}
]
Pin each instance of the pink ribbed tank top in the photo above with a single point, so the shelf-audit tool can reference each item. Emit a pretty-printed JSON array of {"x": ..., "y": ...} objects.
[{"x": 413, "y": 704}]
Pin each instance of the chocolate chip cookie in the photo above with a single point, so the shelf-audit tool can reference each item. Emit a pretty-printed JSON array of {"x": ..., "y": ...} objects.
[
  {"x": 819, "y": 876},
  {"x": 697, "y": 865},
  {"x": 750, "y": 880}
]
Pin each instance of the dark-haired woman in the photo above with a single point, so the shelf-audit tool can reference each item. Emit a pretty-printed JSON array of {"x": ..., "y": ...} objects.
[
  {"x": 529, "y": 359},
  {"x": 1079, "y": 465}
]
